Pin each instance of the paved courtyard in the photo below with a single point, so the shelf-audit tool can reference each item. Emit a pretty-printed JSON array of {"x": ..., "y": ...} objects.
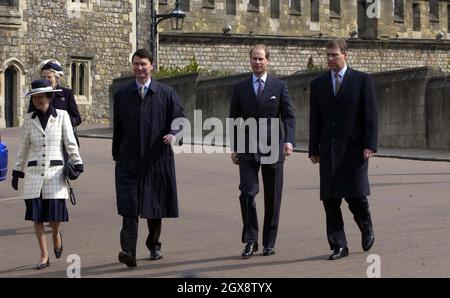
[{"x": 410, "y": 206}]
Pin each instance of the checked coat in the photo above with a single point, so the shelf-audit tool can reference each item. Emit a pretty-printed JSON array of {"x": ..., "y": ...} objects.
[{"x": 40, "y": 155}]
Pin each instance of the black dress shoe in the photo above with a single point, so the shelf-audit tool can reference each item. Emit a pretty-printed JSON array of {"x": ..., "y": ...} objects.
[
  {"x": 43, "y": 265},
  {"x": 367, "y": 240},
  {"x": 249, "y": 249},
  {"x": 59, "y": 251},
  {"x": 127, "y": 259},
  {"x": 268, "y": 251},
  {"x": 155, "y": 254},
  {"x": 339, "y": 253}
]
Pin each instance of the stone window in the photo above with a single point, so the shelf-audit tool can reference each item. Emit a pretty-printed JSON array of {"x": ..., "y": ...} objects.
[
  {"x": 275, "y": 9},
  {"x": 80, "y": 78},
  {"x": 162, "y": 2},
  {"x": 231, "y": 7},
  {"x": 10, "y": 14},
  {"x": 434, "y": 11},
  {"x": 208, "y": 4},
  {"x": 335, "y": 9},
  {"x": 416, "y": 16},
  {"x": 185, "y": 5},
  {"x": 7, "y": 2},
  {"x": 448, "y": 18},
  {"x": 315, "y": 11},
  {"x": 142, "y": 3},
  {"x": 253, "y": 5},
  {"x": 76, "y": 7},
  {"x": 399, "y": 11},
  {"x": 295, "y": 7}
]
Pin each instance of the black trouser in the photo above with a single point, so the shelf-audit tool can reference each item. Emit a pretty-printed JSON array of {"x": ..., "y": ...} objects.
[
  {"x": 249, "y": 186},
  {"x": 359, "y": 207},
  {"x": 129, "y": 234}
]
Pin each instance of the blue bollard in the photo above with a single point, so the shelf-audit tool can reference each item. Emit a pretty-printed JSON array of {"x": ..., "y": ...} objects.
[{"x": 3, "y": 161}]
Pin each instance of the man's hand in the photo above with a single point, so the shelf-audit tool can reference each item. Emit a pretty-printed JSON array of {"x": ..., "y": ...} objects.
[
  {"x": 368, "y": 153},
  {"x": 168, "y": 139},
  {"x": 234, "y": 158},
  {"x": 288, "y": 149},
  {"x": 315, "y": 159}
]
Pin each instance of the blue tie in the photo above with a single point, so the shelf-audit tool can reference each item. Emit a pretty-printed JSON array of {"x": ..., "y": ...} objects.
[{"x": 260, "y": 89}]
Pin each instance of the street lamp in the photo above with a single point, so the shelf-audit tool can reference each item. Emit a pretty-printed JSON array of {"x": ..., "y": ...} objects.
[{"x": 176, "y": 17}]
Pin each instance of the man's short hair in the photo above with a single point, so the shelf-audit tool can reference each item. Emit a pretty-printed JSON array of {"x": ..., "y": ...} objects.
[
  {"x": 260, "y": 46},
  {"x": 143, "y": 53},
  {"x": 339, "y": 43}
]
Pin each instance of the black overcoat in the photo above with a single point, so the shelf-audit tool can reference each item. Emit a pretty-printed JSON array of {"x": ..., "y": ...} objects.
[
  {"x": 145, "y": 167},
  {"x": 341, "y": 127}
]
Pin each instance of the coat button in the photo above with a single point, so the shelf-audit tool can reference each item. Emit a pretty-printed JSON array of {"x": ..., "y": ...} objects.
[
  {"x": 43, "y": 164},
  {"x": 43, "y": 145},
  {"x": 43, "y": 155},
  {"x": 43, "y": 136},
  {"x": 42, "y": 174}
]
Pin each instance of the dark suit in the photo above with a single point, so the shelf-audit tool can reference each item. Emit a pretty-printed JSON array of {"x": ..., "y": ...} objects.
[
  {"x": 274, "y": 104},
  {"x": 341, "y": 127}
]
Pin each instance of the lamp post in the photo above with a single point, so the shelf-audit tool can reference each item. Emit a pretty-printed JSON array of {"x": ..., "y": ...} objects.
[{"x": 176, "y": 17}]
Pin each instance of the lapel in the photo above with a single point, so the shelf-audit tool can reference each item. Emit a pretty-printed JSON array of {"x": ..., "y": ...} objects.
[
  {"x": 37, "y": 123},
  {"x": 250, "y": 91},
  {"x": 268, "y": 86},
  {"x": 51, "y": 121},
  {"x": 346, "y": 81},
  {"x": 329, "y": 83}
]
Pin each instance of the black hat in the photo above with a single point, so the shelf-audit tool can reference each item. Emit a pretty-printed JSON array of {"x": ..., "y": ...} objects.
[
  {"x": 41, "y": 86},
  {"x": 52, "y": 65}
]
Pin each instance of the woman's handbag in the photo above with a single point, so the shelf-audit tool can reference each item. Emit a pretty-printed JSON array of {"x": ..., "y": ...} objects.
[{"x": 70, "y": 170}]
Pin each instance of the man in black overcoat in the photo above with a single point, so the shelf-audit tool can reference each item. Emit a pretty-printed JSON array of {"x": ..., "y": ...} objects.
[
  {"x": 144, "y": 110},
  {"x": 263, "y": 99},
  {"x": 343, "y": 136}
]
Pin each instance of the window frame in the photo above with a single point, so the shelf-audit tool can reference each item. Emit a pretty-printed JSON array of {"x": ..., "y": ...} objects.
[{"x": 86, "y": 97}]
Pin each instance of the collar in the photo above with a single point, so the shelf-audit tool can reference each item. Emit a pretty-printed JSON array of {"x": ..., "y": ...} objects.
[
  {"x": 341, "y": 72},
  {"x": 59, "y": 93},
  {"x": 147, "y": 84},
  {"x": 50, "y": 111},
  {"x": 263, "y": 78}
]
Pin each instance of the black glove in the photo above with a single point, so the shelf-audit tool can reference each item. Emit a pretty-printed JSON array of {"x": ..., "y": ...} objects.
[
  {"x": 15, "y": 181},
  {"x": 79, "y": 169}
]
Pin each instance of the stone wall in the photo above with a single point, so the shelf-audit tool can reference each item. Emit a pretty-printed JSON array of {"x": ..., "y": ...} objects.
[
  {"x": 99, "y": 32},
  {"x": 402, "y": 107},
  {"x": 438, "y": 105},
  {"x": 288, "y": 55},
  {"x": 203, "y": 18}
]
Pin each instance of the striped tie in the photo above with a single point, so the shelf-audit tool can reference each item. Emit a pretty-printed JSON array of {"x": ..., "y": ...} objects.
[
  {"x": 337, "y": 84},
  {"x": 260, "y": 89},
  {"x": 142, "y": 91}
]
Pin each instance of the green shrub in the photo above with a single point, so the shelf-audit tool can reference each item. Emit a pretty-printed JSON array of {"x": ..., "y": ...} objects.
[{"x": 192, "y": 67}]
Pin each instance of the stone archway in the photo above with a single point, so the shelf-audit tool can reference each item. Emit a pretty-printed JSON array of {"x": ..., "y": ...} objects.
[{"x": 12, "y": 78}]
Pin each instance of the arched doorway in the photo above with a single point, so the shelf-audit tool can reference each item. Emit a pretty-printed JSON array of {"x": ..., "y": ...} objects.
[{"x": 10, "y": 95}]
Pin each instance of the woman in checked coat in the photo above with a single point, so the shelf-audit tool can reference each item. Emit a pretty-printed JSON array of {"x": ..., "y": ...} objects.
[{"x": 46, "y": 131}]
